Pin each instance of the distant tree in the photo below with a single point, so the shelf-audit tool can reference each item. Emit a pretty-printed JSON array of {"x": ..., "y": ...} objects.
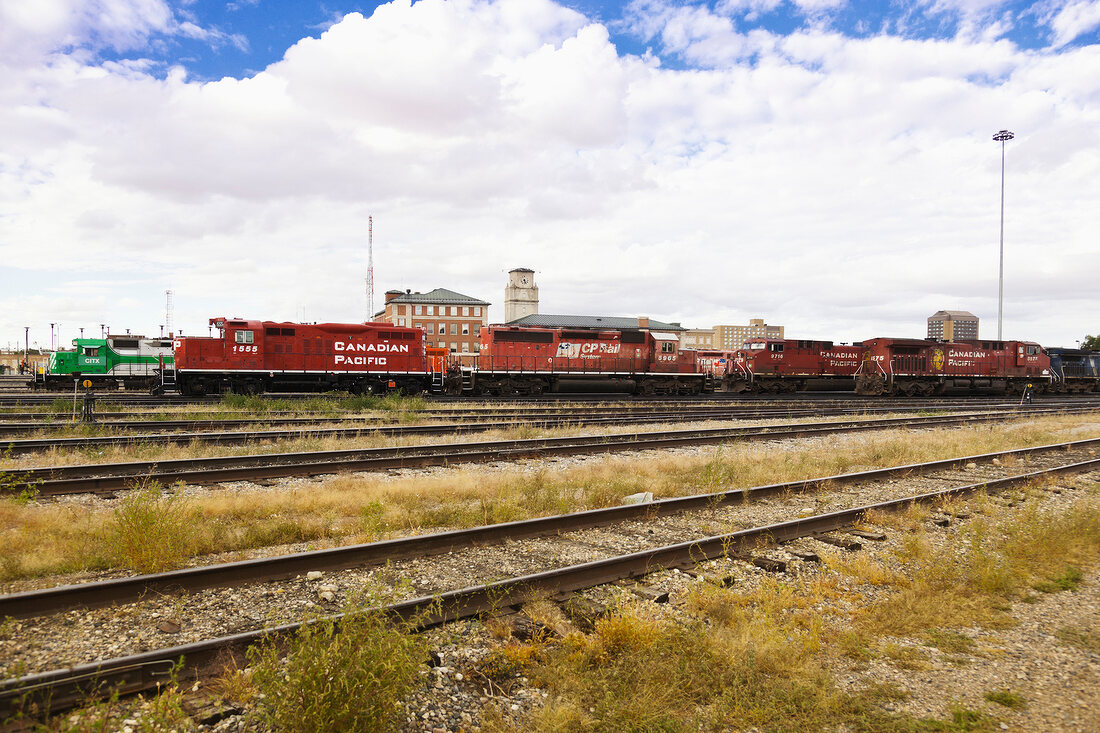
[{"x": 1091, "y": 342}]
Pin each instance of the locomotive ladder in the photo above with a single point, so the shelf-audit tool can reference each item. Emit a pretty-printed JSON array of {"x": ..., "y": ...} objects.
[
  {"x": 167, "y": 378},
  {"x": 437, "y": 381}
]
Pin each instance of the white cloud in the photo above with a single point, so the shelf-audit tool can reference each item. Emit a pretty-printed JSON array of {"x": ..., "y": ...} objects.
[
  {"x": 1074, "y": 20},
  {"x": 845, "y": 188},
  {"x": 30, "y": 29}
]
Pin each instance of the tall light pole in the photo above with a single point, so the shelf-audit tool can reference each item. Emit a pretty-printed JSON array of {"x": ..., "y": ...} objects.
[{"x": 1002, "y": 137}]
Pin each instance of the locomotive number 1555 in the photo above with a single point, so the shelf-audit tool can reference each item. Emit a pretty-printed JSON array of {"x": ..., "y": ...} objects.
[{"x": 245, "y": 349}]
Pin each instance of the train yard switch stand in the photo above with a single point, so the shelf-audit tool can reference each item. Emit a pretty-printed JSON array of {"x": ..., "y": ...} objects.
[{"x": 88, "y": 412}]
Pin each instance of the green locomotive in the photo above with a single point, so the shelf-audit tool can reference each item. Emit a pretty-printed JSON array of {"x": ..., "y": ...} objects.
[{"x": 127, "y": 362}]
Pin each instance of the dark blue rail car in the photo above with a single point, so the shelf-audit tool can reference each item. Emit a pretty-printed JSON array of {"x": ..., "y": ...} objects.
[{"x": 1075, "y": 370}]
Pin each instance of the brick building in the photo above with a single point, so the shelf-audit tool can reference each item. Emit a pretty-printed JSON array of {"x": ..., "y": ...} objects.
[
  {"x": 450, "y": 320},
  {"x": 952, "y": 326}
]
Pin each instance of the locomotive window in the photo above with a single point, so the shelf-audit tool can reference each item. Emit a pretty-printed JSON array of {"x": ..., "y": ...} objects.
[
  {"x": 125, "y": 343},
  {"x": 243, "y": 337},
  {"x": 632, "y": 337},
  {"x": 667, "y": 347},
  {"x": 409, "y": 336},
  {"x": 1032, "y": 350},
  {"x": 89, "y": 351},
  {"x": 777, "y": 347}
]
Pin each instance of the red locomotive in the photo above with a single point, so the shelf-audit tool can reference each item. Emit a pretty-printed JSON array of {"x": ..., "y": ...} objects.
[
  {"x": 918, "y": 367},
  {"x": 788, "y": 365},
  {"x": 263, "y": 356},
  {"x": 518, "y": 360}
]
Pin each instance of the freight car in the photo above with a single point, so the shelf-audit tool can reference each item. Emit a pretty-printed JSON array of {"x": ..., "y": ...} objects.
[
  {"x": 249, "y": 357},
  {"x": 1074, "y": 370},
  {"x": 129, "y": 362},
  {"x": 918, "y": 367},
  {"x": 519, "y": 361}
]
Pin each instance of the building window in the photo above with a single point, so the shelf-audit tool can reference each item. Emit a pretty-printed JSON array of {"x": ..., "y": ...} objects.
[
  {"x": 431, "y": 310},
  {"x": 466, "y": 310},
  {"x": 419, "y": 325},
  {"x": 400, "y": 321},
  {"x": 477, "y": 311},
  {"x": 465, "y": 347},
  {"x": 454, "y": 329},
  {"x": 454, "y": 310},
  {"x": 477, "y": 330},
  {"x": 465, "y": 329},
  {"x": 442, "y": 344},
  {"x": 431, "y": 329},
  {"x": 454, "y": 346},
  {"x": 477, "y": 347}
]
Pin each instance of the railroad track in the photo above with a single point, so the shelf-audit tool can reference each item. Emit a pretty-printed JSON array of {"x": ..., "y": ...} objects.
[
  {"x": 112, "y": 477},
  {"x": 169, "y": 431},
  {"x": 55, "y": 691},
  {"x": 12, "y": 422},
  {"x": 125, "y": 590}
]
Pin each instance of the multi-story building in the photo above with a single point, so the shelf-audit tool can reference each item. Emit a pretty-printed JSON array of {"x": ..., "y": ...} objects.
[
  {"x": 952, "y": 325},
  {"x": 697, "y": 338},
  {"x": 732, "y": 337},
  {"x": 450, "y": 320}
]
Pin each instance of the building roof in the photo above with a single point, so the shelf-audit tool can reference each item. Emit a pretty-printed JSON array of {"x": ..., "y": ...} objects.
[
  {"x": 437, "y": 296},
  {"x": 953, "y": 315},
  {"x": 521, "y": 269},
  {"x": 547, "y": 320}
]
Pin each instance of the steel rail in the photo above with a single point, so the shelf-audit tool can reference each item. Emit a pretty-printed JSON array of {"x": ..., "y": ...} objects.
[
  {"x": 126, "y": 590},
  {"x": 100, "y": 478},
  {"x": 18, "y": 446},
  {"x": 47, "y": 693}
]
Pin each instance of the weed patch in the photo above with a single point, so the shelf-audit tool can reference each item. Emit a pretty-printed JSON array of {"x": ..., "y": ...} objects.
[
  {"x": 151, "y": 531},
  {"x": 346, "y": 676},
  {"x": 1007, "y": 698}
]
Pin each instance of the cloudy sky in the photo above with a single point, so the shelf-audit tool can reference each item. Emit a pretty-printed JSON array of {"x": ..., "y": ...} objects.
[{"x": 827, "y": 165}]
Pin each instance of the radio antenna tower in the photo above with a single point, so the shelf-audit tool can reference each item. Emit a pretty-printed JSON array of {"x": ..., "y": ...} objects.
[
  {"x": 370, "y": 268},
  {"x": 168, "y": 310}
]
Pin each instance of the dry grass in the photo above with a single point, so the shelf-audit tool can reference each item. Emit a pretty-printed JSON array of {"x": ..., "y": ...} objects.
[
  {"x": 41, "y": 539},
  {"x": 733, "y": 659}
]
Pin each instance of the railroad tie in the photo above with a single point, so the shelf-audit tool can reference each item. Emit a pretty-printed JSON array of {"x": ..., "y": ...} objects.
[{"x": 841, "y": 542}]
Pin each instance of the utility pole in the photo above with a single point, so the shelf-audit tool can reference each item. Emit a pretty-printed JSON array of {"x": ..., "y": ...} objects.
[
  {"x": 370, "y": 269},
  {"x": 1002, "y": 137}
]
